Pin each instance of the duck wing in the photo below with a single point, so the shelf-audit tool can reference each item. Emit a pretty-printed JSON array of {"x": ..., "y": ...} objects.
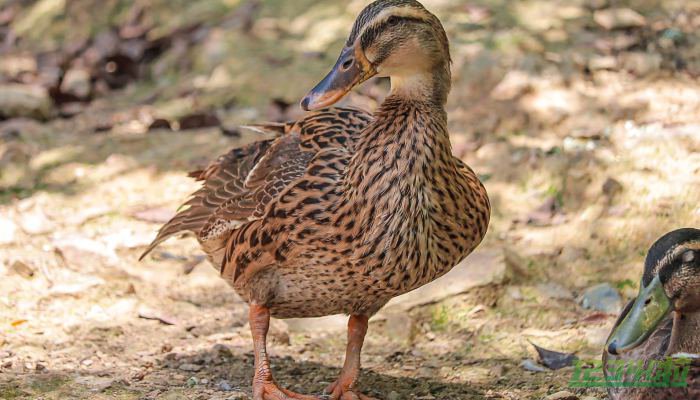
[{"x": 238, "y": 186}]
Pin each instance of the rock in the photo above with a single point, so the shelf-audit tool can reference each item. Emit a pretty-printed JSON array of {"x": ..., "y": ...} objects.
[
  {"x": 221, "y": 350},
  {"x": 35, "y": 222},
  {"x": 77, "y": 82},
  {"x": 15, "y": 65},
  {"x": 619, "y": 18},
  {"x": 225, "y": 386},
  {"x": 8, "y": 229},
  {"x": 598, "y": 63},
  {"x": 563, "y": 395},
  {"x": 190, "y": 367},
  {"x": 192, "y": 381},
  {"x": 393, "y": 396},
  {"x": 602, "y": 297},
  {"x": 481, "y": 268},
  {"x": 94, "y": 383},
  {"x": 30, "y": 101},
  {"x": 532, "y": 366},
  {"x": 515, "y": 293},
  {"x": 83, "y": 252},
  {"x": 641, "y": 63}
]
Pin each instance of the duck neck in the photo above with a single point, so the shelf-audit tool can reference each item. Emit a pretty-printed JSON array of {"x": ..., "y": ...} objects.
[
  {"x": 433, "y": 85},
  {"x": 684, "y": 338},
  {"x": 405, "y": 146}
]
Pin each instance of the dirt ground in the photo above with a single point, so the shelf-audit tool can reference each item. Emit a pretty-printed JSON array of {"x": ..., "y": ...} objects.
[{"x": 582, "y": 120}]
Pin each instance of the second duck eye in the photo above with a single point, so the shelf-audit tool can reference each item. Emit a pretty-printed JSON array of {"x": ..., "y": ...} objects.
[
  {"x": 393, "y": 20},
  {"x": 347, "y": 64}
]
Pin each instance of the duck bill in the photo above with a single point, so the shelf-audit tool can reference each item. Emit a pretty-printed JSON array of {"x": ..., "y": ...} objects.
[
  {"x": 351, "y": 69},
  {"x": 649, "y": 309}
]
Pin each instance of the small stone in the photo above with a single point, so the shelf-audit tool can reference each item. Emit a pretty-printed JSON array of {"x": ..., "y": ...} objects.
[
  {"x": 393, "y": 396},
  {"x": 94, "y": 383},
  {"x": 225, "y": 386},
  {"x": 603, "y": 297},
  {"x": 619, "y": 18},
  {"x": 532, "y": 366},
  {"x": 514, "y": 292},
  {"x": 642, "y": 63},
  {"x": 598, "y": 63},
  {"x": 204, "y": 381},
  {"x": 192, "y": 381},
  {"x": 76, "y": 82},
  {"x": 563, "y": 395},
  {"x": 190, "y": 367},
  {"x": 30, "y": 101},
  {"x": 35, "y": 222}
]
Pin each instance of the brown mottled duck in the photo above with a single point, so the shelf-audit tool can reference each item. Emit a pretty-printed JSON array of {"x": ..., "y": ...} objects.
[
  {"x": 663, "y": 321},
  {"x": 344, "y": 210}
]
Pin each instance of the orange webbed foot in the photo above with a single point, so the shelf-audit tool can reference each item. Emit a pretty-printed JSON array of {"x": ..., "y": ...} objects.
[
  {"x": 342, "y": 389},
  {"x": 270, "y": 391}
]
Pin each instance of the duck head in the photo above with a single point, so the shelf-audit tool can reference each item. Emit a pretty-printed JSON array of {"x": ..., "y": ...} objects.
[
  {"x": 395, "y": 38},
  {"x": 671, "y": 283}
]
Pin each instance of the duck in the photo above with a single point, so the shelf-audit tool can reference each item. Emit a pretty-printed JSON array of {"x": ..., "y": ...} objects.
[
  {"x": 663, "y": 320},
  {"x": 343, "y": 209}
]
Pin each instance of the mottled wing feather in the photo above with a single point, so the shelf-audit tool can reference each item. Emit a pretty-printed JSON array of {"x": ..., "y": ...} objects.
[
  {"x": 240, "y": 185},
  {"x": 322, "y": 169},
  {"x": 283, "y": 163},
  {"x": 223, "y": 179}
]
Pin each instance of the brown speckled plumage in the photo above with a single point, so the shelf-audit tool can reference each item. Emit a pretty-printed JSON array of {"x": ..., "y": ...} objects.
[{"x": 345, "y": 210}]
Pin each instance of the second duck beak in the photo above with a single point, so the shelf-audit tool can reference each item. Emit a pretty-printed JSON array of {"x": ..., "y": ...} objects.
[
  {"x": 350, "y": 70},
  {"x": 651, "y": 306}
]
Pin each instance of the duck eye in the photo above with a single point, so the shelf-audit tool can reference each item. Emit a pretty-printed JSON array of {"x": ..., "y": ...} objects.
[
  {"x": 347, "y": 64},
  {"x": 393, "y": 20},
  {"x": 689, "y": 256},
  {"x": 647, "y": 301}
]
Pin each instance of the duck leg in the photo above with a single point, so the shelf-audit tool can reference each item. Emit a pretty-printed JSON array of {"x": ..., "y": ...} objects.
[
  {"x": 344, "y": 387},
  {"x": 264, "y": 386}
]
